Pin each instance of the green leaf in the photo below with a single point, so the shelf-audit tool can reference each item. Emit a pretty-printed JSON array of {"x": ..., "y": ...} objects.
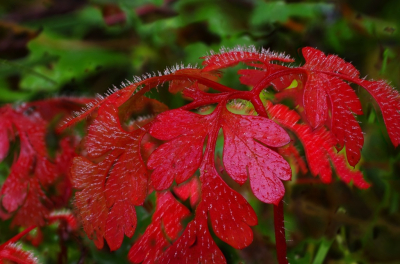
[
  {"x": 75, "y": 60},
  {"x": 322, "y": 251},
  {"x": 223, "y": 19},
  {"x": 270, "y": 12}
]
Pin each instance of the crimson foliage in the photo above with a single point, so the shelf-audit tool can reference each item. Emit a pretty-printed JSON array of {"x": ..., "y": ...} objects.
[{"x": 172, "y": 152}]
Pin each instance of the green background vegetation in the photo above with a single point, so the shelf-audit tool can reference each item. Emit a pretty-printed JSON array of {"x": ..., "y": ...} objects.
[{"x": 52, "y": 48}]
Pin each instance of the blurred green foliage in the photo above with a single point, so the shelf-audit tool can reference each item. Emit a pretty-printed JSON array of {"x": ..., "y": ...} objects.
[{"x": 51, "y": 48}]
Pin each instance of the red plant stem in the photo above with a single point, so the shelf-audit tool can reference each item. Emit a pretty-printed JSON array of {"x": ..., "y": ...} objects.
[
  {"x": 217, "y": 98},
  {"x": 131, "y": 90},
  {"x": 252, "y": 95},
  {"x": 215, "y": 85},
  {"x": 18, "y": 236},
  {"x": 182, "y": 76},
  {"x": 280, "y": 238},
  {"x": 268, "y": 78}
]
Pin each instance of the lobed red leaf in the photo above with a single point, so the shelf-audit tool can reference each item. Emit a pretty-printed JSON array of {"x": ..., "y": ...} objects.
[
  {"x": 23, "y": 191},
  {"x": 319, "y": 148},
  {"x": 194, "y": 246},
  {"x": 165, "y": 226},
  {"x": 112, "y": 187},
  {"x": 180, "y": 157},
  {"x": 245, "y": 154},
  {"x": 230, "y": 214}
]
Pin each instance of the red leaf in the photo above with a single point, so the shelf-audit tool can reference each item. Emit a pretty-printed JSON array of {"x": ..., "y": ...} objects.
[
  {"x": 291, "y": 152},
  {"x": 194, "y": 246},
  {"x": 63, "y": 185},
  {"x": 230, "y": 214},
  {"x": 169, "y": 214},
  {"x": 295, "y": 94},
  {"x": 23, "y": 188},
  {"x": 113, "y": 177},
  {"x": 253, "y": 77},
  {"x": 344, "y": 172},
  {"x": 323, "y": 80},
  {"x": 90, "y": 201},
  {"x": 343, "y": 123},
  {"x": 233, "y": 226},
  {"x": 23, "y": 191},
  {"x": 316, "y": 60},
  {"x": 319, "y": 148},
  {"x": 230, "y": 217},
  {"x": 190, "y": 189},
  {"x": 33, "y": 211},
  {"x": 315, "y": 99},
  {"x": 102, "y": 202},
  {"x": 180, "y": 157},
  {"x": 14, "y": 189},
  {"x": 121, "y": 220},
  {"x": 30, "y": 127},
  {"x": 284, "y": 81},
  {"x": 323, "y": 85},
  {"x": 320, "y": 81},
  {"x": 317, "y": 158},
  {"x": 244, "y": 154},
  {"x": 388, "y": 100}
]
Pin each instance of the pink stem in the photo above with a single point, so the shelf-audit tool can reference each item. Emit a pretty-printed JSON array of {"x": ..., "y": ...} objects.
[{"x": 280, "y": 237}]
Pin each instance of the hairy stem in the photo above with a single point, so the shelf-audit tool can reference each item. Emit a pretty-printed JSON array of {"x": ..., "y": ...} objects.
[{"x": 125, "y": 93}]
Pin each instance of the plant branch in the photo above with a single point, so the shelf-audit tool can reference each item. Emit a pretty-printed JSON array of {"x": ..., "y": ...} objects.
[
  {"x": 18, "y": 236},
  {"x": 268, "y": 78},
  {"x": 280, "y": 238}
]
